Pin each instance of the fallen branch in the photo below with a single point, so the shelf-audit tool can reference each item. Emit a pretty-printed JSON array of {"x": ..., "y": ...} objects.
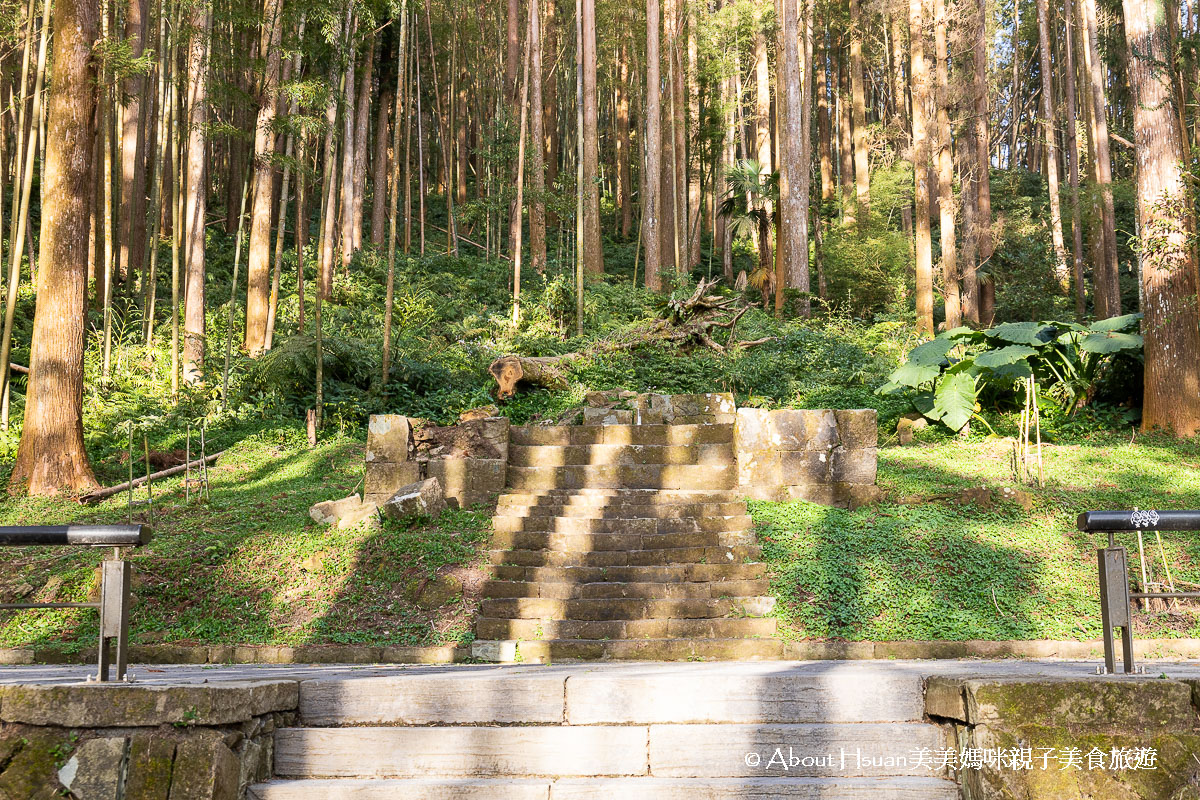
[
  {"x": 101, "y": 494},
  {"x": 691, "y": 323}
]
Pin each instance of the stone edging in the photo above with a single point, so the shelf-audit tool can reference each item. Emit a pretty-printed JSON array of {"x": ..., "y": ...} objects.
[{"x": 449, "y": 654}]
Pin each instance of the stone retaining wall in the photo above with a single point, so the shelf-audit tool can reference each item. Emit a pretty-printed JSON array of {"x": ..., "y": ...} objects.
[
  {"x": 468, "y": 459},
  {"x": 820, "y": 455},
  {"x": 1071, "y": 729},
  {"x": 140, "y": 741}
]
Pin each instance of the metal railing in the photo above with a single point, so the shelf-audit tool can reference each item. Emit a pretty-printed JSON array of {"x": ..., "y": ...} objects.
[
  {"x": 113, "y": 604},
  {"x": 1113, "y": 566}
]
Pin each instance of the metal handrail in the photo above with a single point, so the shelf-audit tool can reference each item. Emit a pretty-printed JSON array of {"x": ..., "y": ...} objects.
[
  {"x": 114, "y": 579},
  {"x": 1113, "y": 567}
]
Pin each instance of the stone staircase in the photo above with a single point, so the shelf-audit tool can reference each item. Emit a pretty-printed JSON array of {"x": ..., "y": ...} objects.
[
  {"x": 624, "y": 542},
  {"x": 593, "y": 732}
]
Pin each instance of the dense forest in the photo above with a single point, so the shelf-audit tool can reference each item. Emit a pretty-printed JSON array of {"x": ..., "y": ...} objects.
[{"x": 260, "y": 207}]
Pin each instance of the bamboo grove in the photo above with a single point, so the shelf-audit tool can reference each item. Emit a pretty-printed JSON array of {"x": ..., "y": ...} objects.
[{"x": 535, "y": 131}]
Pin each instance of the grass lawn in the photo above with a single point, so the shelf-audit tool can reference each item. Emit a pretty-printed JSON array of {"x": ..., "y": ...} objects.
[
  {"x": 923, "y": 567},
  {"x": 248, "y": 566}
]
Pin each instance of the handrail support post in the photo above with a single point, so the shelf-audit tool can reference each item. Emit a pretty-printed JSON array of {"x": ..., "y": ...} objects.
[
  {"x": 1114, "y": 605},
  {"x": 114, "y": 618}
]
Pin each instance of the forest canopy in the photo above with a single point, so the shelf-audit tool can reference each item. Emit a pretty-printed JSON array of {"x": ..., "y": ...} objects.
[{"x": 216, "y": 209}]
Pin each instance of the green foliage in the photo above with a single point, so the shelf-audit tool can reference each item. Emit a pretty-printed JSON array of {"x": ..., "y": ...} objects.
[
  {"x": 1068, "y": 361},
  {"x": 926, "y": 568}
]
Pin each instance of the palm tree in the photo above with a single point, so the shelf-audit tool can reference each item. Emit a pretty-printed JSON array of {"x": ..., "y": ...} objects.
[{"x": 751, "y": 197}]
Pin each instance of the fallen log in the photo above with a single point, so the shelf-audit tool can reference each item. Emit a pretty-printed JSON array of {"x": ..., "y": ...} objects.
[
  {"x": 540, "y": 371},
  {"x": 101, "y": 494}
]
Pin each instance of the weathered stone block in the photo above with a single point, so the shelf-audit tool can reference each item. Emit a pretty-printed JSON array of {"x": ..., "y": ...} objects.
[
  {"x": 384, "y": 478},
  {"x": 858, "y": 427},
  {"x": 114, "y": 705},
  {"x": 803, "y": 467},
  {"x": 424, "y": 498},
  {"x": 205, "y": 769},
  {"x": 149, "y": 771},
  {"x": 686, "y": 409},
  {"x": 93, "y": 772},
  {"x": 820, "y": 493},
  {"x": 389, "y": 437},
  {"x": 855, "y": 466},
  {"x": 750, "y": 430},
  {"x": 345, "y": 513},
  {"x": 31, "y": 773},
  {"x": 607, "y": 416},
  {"x": 803, "y": 429},
  {"x": 469, "y": 480},
  {"x": 759, "y": 468}
]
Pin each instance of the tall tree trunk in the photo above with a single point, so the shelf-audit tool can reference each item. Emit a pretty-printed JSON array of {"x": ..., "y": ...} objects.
[
  {"x": 624, "y": 175},
  {"x": 514, "y": 234},
  {"x": 899, "y": 95},
  {"x": 945, "y": 171},
  {"x": 920, "y": 150},
  {"x": 379, "y": 168},
  {"x": 394, "y": 195},
  {"x": 593, "y": 252},
  {"x": 1104, "y": 273},
  {"x": 196, "y": 195},
  {"x": 348, "y": 144},
  {"x": 679, "y": 154},
  {"x": 362, "y": 136},
  {"x": 862, "y": 178},
  {"x": 1073, "y": 163},
  {"x": 794, "y": 140},
  {"x": 691, "y": 161},
  {"x": 824, "y": 145},
  {"x": 652, "y": 151},
  {"x": 845, "y": 149},
  {"x": 550, "y": 98},
  {"x": 133, "y": 144},
  {"x": 512, "y": 57},
  {"x": 537, "y": 166},
  {"x": 762, "y": 100},
  {"x": 1062, "y": 273},
  {"x": 51, "y": 456},
  {"x": 1166, "y": 260},
  {"x": 981, "y": 233},
  {"x": 258, "y": 270}
]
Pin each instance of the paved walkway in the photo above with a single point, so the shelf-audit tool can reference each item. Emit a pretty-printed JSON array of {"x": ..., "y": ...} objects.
[{"x": 213, "y": 673}]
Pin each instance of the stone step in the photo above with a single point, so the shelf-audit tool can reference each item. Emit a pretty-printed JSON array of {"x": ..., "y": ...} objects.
[
  {"x": 775, "y": 693},
  {"x": 899, "y": 788},
  {"x": 625, "y": 608},
  {"x": 590, "y": 542},
  {"x": 664, "y": 751},
  {"x": 628, "y": 526},
  {"x": 622, "y": 510},
  {"x": 559, "y": 455},
  {"x": 610, "y": 497},
  {"x": 565, "y": 435},
  {"x": 659, "y": 650},
  {"x": 623, "y": 558},
  {"x": 561, "y": 590},
  {"x": 658, "y": 629},
  {"x": 666, "y": 574},
  {"x": 639, "y": 476}
]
